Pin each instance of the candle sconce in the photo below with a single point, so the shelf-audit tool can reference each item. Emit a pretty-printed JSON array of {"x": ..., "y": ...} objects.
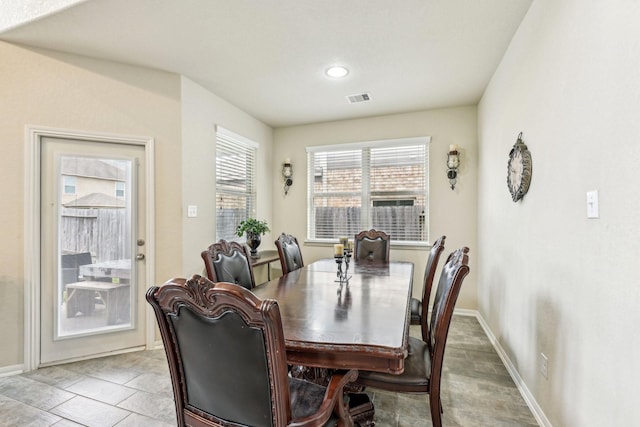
[
  {"x": 453, "y": 162},
  {"x": 287, "y": 175}
]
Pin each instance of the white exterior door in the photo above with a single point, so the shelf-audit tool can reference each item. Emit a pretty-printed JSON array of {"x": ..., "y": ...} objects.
[{"x": 92, "y": 271}]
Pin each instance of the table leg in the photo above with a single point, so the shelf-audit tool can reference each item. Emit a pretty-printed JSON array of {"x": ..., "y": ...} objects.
[
  {"x": 360, "y": 406},
  {"x": 71, "y": 303},
  {"x": 118, "y": 305},
  {"x": 80, "y": 300},
  {"x": 361, "y": 409}
]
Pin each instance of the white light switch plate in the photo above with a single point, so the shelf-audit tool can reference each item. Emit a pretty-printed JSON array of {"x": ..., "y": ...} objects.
[
  {"x": 593, "y": 210},
  {"x": 192, "y": 211}
]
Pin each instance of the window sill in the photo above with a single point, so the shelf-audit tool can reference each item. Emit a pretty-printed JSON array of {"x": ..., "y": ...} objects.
[{"x": 397, "y": 245}]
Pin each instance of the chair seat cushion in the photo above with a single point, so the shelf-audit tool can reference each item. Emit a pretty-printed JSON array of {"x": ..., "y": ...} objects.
[
  {"x": 306, "y": 397},
  {"x": 416, "y": 311},
  {"x": 416, "y": 375}
]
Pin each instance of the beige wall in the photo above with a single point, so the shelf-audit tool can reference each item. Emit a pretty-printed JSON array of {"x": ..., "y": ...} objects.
[
  {"x": 45, "y": 88},
  {"x": 453, "y": 213},
  {"x": 551, "y": 280},
  {"x": 201, "y": 111}
]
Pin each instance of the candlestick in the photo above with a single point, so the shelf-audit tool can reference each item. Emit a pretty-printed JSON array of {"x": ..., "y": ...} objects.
[{"x": 343, "y": 257}]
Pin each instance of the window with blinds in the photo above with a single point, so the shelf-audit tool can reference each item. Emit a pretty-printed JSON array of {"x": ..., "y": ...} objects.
[
  {"x": 235, "y": 182},
  {"x": 379, "y": 184}
]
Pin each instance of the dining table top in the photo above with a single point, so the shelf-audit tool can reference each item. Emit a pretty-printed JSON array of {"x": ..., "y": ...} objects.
[{"x": 362, "y": 324}]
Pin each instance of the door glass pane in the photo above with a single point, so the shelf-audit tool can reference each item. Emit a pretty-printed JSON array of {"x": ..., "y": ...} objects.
[{"x": 95, "y": 286}]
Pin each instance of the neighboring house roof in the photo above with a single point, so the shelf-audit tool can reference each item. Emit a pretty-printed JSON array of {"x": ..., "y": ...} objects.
[
  {"x": 96, "y": 200},
  {"x": 91, "y": 168}
]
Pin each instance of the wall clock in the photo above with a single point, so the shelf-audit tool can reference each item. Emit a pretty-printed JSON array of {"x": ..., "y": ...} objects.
[{"x": 519, "y": 170}]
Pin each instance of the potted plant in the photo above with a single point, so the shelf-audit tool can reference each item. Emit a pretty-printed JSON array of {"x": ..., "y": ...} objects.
[{"x": 253, "y": 229}]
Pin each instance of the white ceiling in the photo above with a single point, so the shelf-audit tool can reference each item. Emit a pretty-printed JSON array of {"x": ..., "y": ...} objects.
[{"x": 268, "y": 57}]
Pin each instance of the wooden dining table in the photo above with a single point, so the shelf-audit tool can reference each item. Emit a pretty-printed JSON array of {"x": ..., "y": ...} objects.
[{"x": 360, "y": 324}]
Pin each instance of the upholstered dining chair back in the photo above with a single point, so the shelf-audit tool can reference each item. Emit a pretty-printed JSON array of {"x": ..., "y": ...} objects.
[
  {"x": 453, "y": 273},
  {"x": 420, "y": 307},
  {"x": 289, "y": 253},
  {"x": 423, "y": 364},
  {"x": 372, "y": 245},
  {"x": 229, "y": 262},
  {"x": 227, "y": 360}
]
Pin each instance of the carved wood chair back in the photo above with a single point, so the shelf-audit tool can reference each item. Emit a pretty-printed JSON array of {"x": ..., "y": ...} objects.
[
  {"x": 229, "y": 262},
  {"x": 420, "y": 307},
  {"x": 227, "y": 360},
  {"x": 289, "y": 253},
  {"x": 372, "y": 245}
]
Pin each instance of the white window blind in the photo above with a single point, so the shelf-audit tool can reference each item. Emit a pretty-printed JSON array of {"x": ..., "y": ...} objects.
[
  {"x": 235, "y": 182},
  {"x": 379, "y": 184}
]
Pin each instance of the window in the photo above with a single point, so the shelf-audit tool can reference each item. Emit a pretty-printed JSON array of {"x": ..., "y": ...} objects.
[
  {"x": 120, "y": 189},
  {"x": 69, "y": 184},
  {"x": 378, "y": 184},
  {"x": 235, "y": 182}
]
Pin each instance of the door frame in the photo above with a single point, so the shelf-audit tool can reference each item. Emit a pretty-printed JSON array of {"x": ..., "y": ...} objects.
[{"x": 32, "y": 235}]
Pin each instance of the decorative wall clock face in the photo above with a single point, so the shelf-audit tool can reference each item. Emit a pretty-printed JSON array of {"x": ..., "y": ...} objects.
[{"x": 519, "y": 170}]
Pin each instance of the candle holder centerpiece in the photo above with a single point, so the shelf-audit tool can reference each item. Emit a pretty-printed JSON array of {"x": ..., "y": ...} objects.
[{"x": 342, "y": 255}]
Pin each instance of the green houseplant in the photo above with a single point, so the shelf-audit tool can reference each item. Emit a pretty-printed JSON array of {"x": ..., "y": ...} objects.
[{"x": 253, "y": 229}]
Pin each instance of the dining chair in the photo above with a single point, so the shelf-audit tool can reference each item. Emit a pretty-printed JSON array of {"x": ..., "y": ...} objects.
[
  {"x": 229, "y": 262},
  {"x": 70, "y": 270},
  {"x": 420, "y": 307},
  {"x": 372, "y": 245},
  {"x": 423, "y": 364},
  {"x": 70, "y": 264},
  {"x": 289, "y": 253},
  {"x": 227, "y": 360}
]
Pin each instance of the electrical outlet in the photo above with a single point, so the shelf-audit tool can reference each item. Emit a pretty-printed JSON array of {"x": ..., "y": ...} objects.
[
  {"x": 544, "y": 365},
  {"x": 192, "y": 211},
  {"x": 592, "y": 204}
]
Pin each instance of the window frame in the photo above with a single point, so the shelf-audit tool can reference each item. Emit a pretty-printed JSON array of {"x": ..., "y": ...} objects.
[
  {"x": 229, "y": 138},
  {"x": 366, "y": 196}
]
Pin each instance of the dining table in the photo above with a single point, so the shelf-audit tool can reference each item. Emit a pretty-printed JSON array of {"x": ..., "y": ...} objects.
[
  {"x": 360, "y": 323},
  {"x": 355, "y": 320}
]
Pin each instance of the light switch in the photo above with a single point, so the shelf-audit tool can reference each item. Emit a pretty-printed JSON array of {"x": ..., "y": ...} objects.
[
  {"x": 592, "y": 204},
  {"x": 192, "y": 211}
]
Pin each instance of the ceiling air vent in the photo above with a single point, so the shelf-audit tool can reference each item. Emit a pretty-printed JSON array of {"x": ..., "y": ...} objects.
[{"x": 361, "y": 97}]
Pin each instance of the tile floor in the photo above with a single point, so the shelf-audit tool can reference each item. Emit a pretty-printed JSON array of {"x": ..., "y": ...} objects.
[{"x": 134, "y": 389}]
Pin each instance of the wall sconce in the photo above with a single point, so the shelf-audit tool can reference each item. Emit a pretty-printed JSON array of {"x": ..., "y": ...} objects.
[
  {"x": 287, "y": 174},
  {"x": 453, "y": 161}
]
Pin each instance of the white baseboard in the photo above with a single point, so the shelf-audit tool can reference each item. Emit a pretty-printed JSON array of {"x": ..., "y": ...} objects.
[
  {"x": 7, "y": 371},
  {"x": 465, "y": 312},
  {"x": 531, "y": 402}
]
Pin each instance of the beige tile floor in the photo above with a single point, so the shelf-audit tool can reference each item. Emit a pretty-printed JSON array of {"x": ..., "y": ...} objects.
[{"x": 134, "y": 389}]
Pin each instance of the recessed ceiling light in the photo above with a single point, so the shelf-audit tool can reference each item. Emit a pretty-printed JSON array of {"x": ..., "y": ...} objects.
[{"x": 337, "y": 71}]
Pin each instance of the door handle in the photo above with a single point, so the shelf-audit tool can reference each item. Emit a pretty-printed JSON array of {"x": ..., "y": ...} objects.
[{"x": 139, "y": 257}]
